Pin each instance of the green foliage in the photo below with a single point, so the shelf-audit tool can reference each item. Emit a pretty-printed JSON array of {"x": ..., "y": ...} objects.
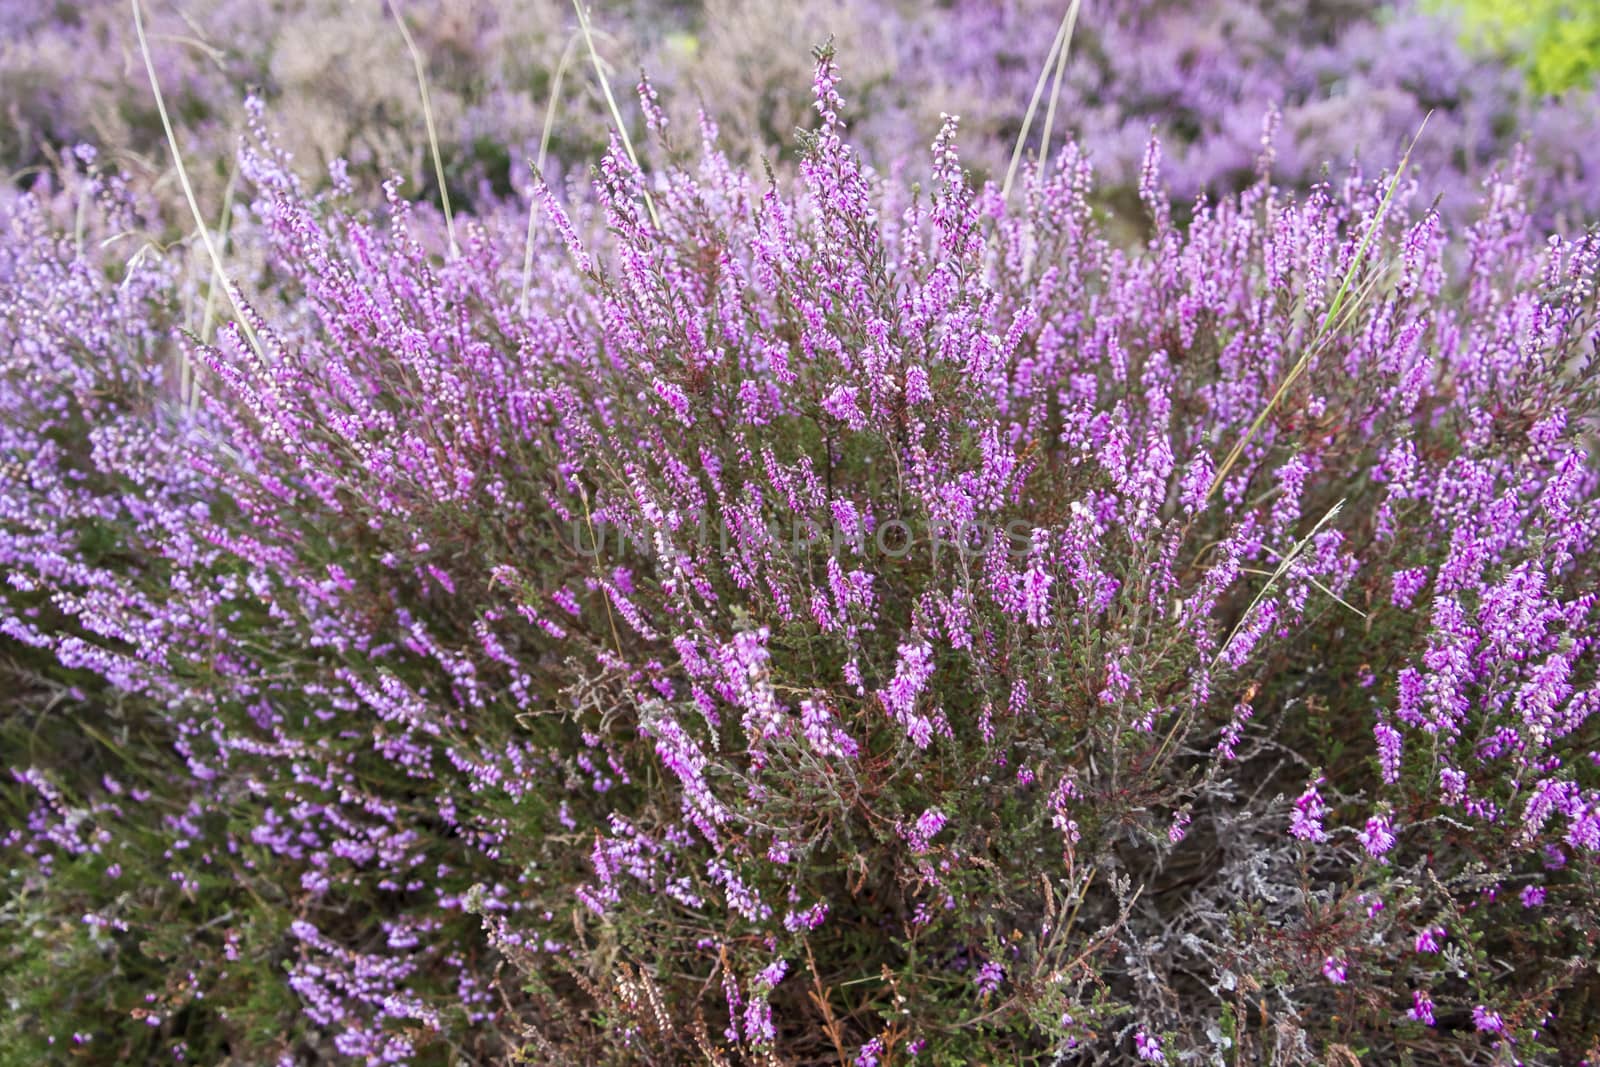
[{"x": 1558, "y": 41}]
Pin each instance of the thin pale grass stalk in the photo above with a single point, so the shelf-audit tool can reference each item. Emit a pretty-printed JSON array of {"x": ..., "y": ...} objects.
[
  {"x": 1277, "y": 574},
  {"x": 1055, "y": 86},
  {"x": 1082, "y": 895},
  {"x": 538, "y": 166},
  {"x": 1322, "y": 339},
  {"x": 611, "y": 102},
  {"x": 1383, "y": 208},
  {"x": 189, "y": 385},
  {"x": 1335, "y": 597},
  {"x": 188, "y": 189},
  {"x": 555, "y": 93},
  {"x": 605, "y": 597},
  {"x": 208, "y": 319},
  {"x": 1033, "y": 105},
  {"x": 427, "y": 118},
  {"x": 1323, "y": 332},
  {"x": 1313, "y": 349},
  {"x": 216, "y": 55},
  {"x": 1293, "y": 554}
]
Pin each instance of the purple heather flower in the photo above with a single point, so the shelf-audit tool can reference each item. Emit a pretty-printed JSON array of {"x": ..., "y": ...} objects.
[
  {"x": 1309, "y": 811},
  {"x": 900, "y": 697},
  {"x": 1378, "y": 837},
  {"x": 924, "y": 829},
  {"x": 868, "y": 1055},
  {"x": 772, "y": 974},
  {"x": 1421, "y": 1008},
  {"x": 1430, "y": 939}
]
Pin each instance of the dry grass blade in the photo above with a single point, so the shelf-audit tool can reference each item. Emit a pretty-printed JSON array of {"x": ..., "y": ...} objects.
[
  {"x": 188, "y": 188},
  {"x": 1050, "y": 61},
  {"x": 189, "y": 387},
  {"x": 538, "y": 166},
  {"x": 1324, "y": 331},
  {"x": 1272, "y": 581},
  {"x": 216, "y": 55},
  {"x": 427, "y": 117},
  {"x": 1055, "y": 86},
  {"x": 1335, "y": 597},
  {"x": 611, "y": 102}
]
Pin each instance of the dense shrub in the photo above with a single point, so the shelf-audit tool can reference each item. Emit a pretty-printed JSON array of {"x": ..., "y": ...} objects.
[
  {"x": 821, "y": 620},
  {"x": 510, "y": 83}
]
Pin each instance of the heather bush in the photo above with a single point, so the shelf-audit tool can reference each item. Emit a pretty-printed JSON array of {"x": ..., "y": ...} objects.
[
  {"x": 813, "y": 617},
  {"x": 511, "y": 83},
  {"x": 1347, "y": 80}
]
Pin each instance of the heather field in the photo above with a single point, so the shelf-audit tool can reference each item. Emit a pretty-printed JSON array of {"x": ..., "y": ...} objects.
[{"x": 745, "y": 533}]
